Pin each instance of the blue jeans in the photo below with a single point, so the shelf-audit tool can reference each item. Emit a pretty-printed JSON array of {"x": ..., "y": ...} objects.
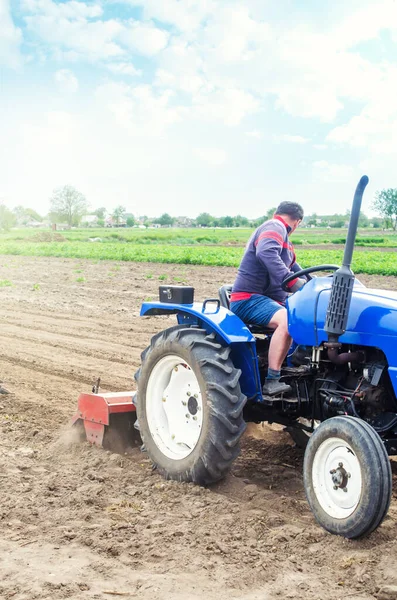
[{"x": 257, "y": 310}]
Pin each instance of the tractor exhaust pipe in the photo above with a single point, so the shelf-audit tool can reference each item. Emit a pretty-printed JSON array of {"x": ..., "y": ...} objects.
[{"x": 342, "y": 284}]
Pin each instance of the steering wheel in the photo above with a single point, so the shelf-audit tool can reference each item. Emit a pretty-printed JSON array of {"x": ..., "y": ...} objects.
[{"x": 307, "y": 271}]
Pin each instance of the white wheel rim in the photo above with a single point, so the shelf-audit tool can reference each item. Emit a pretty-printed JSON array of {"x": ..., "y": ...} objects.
[
  {"x": 174, "y": 407},
  {"x": 336, "y": 478}
]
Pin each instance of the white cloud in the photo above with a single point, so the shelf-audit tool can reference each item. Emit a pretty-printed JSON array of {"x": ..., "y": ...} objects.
[
  {"x": 376, "y": 125},
  {"x": 144, "y": 38},
  {"x": 123, "y": 68},
  {"x": 234, "y": 35},
  {"x": 228, "y": 106},
  {"x": 10, "y": 38},
  {"x": 291, "y": 139},
  {"x": 66, "y": 80},
  {"x": 72, "y": 26},
  {"x": 366, "y": 23},
  {"x": 186, "y": 16},
  {"x": 255, "y": 133},
  {"x": 139, "y": 109},
  {"x": 212, "y": 156},
  {"x": 69, "y": 10},
  {"x": 331, "y": 172}
]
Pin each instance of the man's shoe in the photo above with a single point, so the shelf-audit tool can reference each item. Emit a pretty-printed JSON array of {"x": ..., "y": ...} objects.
[
  {"x": 274, "y": 387},
  {"x": 300, "y": 356}
]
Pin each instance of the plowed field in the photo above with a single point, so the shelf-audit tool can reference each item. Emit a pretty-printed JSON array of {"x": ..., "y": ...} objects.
[{"x": 83, "y": 523}]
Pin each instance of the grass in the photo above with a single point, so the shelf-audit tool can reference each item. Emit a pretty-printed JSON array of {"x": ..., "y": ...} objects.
[
  {"x": 5, "y": 283},
  {"x": 201, "y": 236},
  {"x": 226, "y": 253}
]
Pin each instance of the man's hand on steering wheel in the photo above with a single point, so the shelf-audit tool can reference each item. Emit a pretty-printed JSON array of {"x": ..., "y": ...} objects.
[
  {"x": 297, "y": 285},
  {"x": 300, "y": 282}
]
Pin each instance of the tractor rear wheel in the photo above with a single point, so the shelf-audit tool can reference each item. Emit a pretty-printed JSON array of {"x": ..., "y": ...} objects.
[
  {"x": 189, "y": 405},
  {"x": 347, "y": 477}
]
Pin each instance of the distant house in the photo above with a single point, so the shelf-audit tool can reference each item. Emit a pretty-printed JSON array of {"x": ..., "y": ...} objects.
[
  {"x": 60, "y": 226},
  {"x": 34, "y": 223},
  {"x": 111, "y": 222},
  {"x": 183, "y": 222},
  {"x": 89, "y": 221}
]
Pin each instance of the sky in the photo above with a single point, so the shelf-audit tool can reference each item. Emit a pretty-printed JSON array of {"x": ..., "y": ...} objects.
[{"x": 189, "y": 106}]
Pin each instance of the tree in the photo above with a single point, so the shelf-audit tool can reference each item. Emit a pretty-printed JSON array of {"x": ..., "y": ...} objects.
[
  {"x": 7, "y": 218},
  {"x": 20, "y": 215},
  {"x": 33, "y": 215},
  {"x": 68, "y": 205},
  {"x": 204, "y": 219},
  {"x": 130, "y": 222},
  {"x": 226, "y": 221},
  {"x": 165, "y": 219},
  {"x": 118, "y": 213},
  {"x": 100, "y": 212},
  {"x": 241, "y": 221},
  {"x": 385, "y": 204},
  {"x": 266, "y": 217}
]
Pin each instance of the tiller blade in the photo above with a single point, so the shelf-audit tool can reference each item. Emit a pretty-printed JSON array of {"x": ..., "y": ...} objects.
[{"x": 97, "y": 412}]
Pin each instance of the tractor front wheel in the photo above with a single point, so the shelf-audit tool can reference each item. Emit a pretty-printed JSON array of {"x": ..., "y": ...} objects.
[
  {"x": 189, "y": 405},
  {"x": 347, "y": 476}
]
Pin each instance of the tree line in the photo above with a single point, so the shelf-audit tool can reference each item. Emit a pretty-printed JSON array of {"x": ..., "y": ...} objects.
[{"x": 68, "y": 205}]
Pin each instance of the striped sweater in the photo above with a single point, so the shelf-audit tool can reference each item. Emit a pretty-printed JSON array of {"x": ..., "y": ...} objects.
[{"x": 268, "y": 259}]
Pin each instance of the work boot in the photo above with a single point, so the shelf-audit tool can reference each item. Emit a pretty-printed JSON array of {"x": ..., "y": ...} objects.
[
  {"x": 300, "y": 356},
  {"x": 274, "y": 387}
]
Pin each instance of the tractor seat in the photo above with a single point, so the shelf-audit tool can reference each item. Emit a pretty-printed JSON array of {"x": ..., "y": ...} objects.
[{"x": 224, "y": 296}]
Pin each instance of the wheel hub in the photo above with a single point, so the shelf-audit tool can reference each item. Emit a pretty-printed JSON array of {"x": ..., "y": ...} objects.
[
  {"x": 192, "y": 405},
  {"x": 340, "y": 477},
  {"x": 174, "y": 407},
  {"x": 337, "y": 478}
]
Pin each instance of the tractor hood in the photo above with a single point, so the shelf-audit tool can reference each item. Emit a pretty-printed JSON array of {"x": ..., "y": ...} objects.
[{"x": 372, "y": 319}]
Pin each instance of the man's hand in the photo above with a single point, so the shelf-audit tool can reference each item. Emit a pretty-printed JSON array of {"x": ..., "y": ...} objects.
[{"x": 297, "y": 284}]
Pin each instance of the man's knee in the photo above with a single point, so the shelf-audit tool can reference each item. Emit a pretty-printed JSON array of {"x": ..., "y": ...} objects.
[{"x": 279, "y": 321}]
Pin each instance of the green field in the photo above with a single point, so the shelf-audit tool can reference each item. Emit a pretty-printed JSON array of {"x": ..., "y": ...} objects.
[
  {"x": 215, "y": 247},
  {"x": 201, "y": 236}
]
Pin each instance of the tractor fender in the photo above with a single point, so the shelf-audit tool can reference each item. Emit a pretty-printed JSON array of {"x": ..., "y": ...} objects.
[
  {"x": 207, "y": 315},
  {"x": 214, "y": 318}
]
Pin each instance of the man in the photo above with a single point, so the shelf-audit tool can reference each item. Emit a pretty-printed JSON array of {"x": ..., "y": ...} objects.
[{"x": 257, "y": 297}]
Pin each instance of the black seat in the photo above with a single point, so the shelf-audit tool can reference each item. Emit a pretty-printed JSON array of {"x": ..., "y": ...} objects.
[{"x": 224, "y": 297}]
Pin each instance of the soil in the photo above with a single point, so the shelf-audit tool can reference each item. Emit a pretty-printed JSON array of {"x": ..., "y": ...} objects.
[{"x": 80, "y": 522}]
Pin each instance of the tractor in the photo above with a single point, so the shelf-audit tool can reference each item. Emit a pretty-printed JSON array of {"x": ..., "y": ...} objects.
[{"x": 201, "y": 380}]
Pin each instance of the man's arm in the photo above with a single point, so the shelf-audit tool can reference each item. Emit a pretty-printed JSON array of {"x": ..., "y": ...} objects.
[{"x": 269, "y": 246}]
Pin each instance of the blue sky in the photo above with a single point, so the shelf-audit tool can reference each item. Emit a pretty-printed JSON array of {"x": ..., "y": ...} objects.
[{"x": 186, "y": 106}]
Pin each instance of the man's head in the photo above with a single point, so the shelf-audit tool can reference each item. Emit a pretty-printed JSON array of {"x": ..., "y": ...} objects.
[{"x": 292, "y": 212}]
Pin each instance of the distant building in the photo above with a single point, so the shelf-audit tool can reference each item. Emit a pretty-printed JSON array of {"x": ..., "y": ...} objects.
[
  {"x": 89, "y": 221},
  {"x": 111, "y": 222},
  {"x": 183, "y": 222},
  {"x": 34, "y": 223}
]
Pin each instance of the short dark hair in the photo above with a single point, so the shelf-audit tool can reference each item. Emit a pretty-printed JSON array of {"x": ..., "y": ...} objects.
[{"x": 292, "y": 209}]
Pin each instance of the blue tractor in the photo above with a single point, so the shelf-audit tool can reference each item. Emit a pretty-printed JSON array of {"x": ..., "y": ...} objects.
[{"x": 201, "y": 380}]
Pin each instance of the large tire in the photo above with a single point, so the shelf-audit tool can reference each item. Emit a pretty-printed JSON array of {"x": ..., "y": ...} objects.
[
  {"x": 189, "y": 405},
  {"x": 347, "y": 477}
]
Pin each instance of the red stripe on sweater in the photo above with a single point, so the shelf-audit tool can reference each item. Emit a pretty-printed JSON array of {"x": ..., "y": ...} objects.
[{"x": 272, "y": 235}]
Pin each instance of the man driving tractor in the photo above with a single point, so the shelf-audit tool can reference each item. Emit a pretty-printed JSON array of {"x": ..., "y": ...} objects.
[{"x": 257, "y": 296}]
